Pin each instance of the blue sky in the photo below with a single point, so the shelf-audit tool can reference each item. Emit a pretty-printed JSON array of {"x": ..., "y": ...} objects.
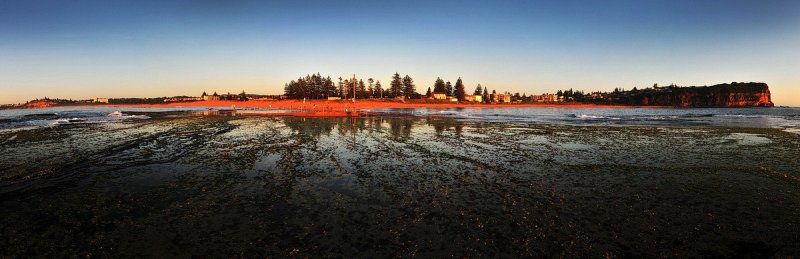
[{"x": 84, "y": 49}]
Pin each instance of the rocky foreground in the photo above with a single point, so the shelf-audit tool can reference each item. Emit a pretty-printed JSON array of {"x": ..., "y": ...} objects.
[{"x": 181, "y": 185}]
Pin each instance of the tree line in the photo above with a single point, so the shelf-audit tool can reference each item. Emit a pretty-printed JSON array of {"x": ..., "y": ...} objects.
[{"x": 315, "y": 86}]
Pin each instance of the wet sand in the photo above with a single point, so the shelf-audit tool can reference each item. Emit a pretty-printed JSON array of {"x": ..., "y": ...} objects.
[{"x": 386, "y": 186}]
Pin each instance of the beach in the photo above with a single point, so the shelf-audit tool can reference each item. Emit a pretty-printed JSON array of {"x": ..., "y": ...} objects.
[{"x": 393, "y": 185}]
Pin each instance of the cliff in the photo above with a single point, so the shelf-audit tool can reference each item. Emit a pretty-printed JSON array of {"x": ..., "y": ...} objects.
[{"x": 722, "y": 95}]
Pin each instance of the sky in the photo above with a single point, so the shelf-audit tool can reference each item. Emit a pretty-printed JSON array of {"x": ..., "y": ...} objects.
[{"x": 85, "y": 49}]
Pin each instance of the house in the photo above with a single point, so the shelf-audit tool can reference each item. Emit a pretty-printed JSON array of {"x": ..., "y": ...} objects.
[
  {"x": 473, "y": 98},
  {"x": 452, "y": 99},
  {"x": 100, "y": 100},
  {"x": 439, "y": 96},
  {"x": 501, "y": 98},
  {"x": 213, "y": 97},
  {"x": 545, "y": 98},
  {"x": 334, "y": 98}
]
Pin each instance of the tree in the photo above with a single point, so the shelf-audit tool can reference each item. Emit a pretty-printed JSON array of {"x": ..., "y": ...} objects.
[
  {"x": 362, "y": 89},
  {"x": 478, "y": 90},
  {"x": 371, "y": 90},
  {"x": 486, "y": 95},
  {"x": 460, "y": 93},
  {"x": 341, "y": 88},
  {"x": 396, "y": 86},
  {"x": 346, "y": 90},
  {"x": 378, "y": 89},
  {"x": 330, "y": 89},
  {"x": 448, "y": 89},
  {"x": 428, "y": 93},
  {"x": 438, "y": 86},
  {"x": 409, "y": 89}
]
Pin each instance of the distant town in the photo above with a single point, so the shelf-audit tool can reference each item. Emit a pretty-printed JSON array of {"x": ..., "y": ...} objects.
[{"x": 404, "y": 89}]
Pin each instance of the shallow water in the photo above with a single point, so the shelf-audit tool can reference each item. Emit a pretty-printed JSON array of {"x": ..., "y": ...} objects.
[
  {"x": 785, "y": 118},
  {"x": 182, "y": 184}
]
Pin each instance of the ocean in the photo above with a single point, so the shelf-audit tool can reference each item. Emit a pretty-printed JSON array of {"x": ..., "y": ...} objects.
[{"x": 784, "y": 118}]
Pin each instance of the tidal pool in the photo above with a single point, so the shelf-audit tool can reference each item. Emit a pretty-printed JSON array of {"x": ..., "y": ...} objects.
[{"x": 389, "y": 186}]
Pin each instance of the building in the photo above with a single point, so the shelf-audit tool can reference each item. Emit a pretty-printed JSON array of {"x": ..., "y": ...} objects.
[
  {"x": 213, "y": 97},
  {"x": 334, "y": 98},
  {"x": 501, "y": 98},
  {"x": 100, "y": 100},
  {"x": 545, "y": 98},
  {"x": 473, "y": 98},
  {"x": 439, "y": 96}
]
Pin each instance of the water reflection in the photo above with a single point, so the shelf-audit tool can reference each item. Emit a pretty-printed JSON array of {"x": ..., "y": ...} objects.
[
  {"x": 441, "y": 125},
  {"x": 311, "y": 129},
  {"x": 220, "y": 113}
]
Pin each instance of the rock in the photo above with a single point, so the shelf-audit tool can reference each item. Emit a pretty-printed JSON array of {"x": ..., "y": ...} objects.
[{"x": 721, "y": 95}]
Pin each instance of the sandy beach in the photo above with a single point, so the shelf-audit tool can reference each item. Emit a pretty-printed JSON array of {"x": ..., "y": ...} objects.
[{"x": 385, "y": 186}]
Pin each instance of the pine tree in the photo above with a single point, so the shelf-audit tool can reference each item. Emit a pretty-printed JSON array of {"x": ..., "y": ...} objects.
[
  {"x": 428, "y": 93},
  {"x": 362, "y": 89},
  {"x": 409, "y": 89},
  {"x": 346, "y": 91},
  {"x": 396, "y": 86},
  {"x": 460, "y": 93},
  {"x": 371, "y": 89},
  {"x": 478, "y": 90},
  {"x": 438, "y": 86},
  {"x": 448, "y": 88},
  {"x": 378, "y": 89},
  {"x": 341, "y": 88},
  {"x": 330, "y": 89}
]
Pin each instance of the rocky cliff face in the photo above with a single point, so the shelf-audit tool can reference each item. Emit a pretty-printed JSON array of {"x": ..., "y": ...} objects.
[{"x": 722, "y": 95}]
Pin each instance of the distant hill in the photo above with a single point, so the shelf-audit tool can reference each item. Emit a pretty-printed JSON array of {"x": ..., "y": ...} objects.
[{"x": 721, "y": 95}]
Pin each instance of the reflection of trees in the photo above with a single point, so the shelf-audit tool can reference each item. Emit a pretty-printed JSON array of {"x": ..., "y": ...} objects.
[
  {"x": 400, "y": 128},
  {"x": 374, "y": 123},
  {"x": 310, "y": 129},
  {"x": 442, "y": 124}
]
